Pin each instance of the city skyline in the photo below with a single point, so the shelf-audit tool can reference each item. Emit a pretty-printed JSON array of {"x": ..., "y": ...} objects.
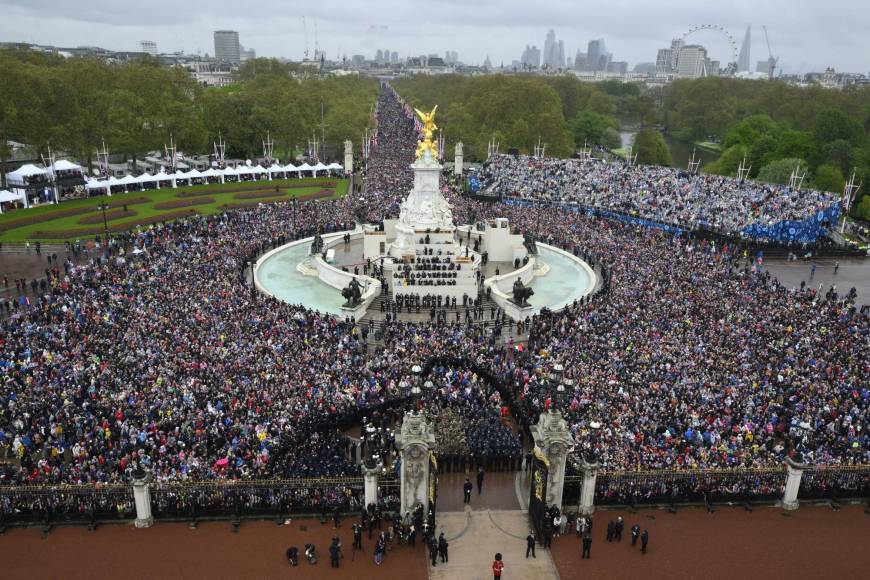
[{"x": 806, "y": 37}]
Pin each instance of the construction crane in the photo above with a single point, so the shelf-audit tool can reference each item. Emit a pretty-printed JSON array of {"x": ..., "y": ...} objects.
[
  {"x": 771, "y": 60},
  {"x": 305, "y": 33}
]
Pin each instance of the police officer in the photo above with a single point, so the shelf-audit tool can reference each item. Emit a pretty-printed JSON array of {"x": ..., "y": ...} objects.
[
  {"x": 433, "y": 549},
  {"x": 466, "y": 489},
  {"x": 635, "y": 532},
  {"x": 530, "y": 544},
  {"x": 442, "y": 548}
]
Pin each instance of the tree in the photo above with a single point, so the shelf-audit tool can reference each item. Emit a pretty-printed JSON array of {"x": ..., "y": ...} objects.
[
  {"x": 829, "y": 178},
  {"x": 591, "y": 127},
  {"x": 779, "y": 171},
  {"x": 651, "y": 148},
  {"x": 833, "y": 124}
]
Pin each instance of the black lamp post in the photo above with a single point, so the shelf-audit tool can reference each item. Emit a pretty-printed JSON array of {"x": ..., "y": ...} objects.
[
  {"x": 103, "y": 207},
  {"x": 253, "y": 281}
]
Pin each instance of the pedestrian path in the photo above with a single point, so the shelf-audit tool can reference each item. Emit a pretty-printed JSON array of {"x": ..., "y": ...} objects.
[{"x": 476, "y": 535}]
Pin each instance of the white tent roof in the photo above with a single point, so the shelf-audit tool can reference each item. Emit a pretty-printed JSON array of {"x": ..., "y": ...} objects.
[
  {"x": 258, "y": 169},
  {"x": 9, "y": 196},
  {"x": 28, "y": 170},
  {"x": 244, "y": 170},
  {"x": 127, "y": 180},
  {"x": 290, "y": 167},
  {"x": 275, "y": 168},
  {"x": 193, "y": 174},
  {"x": 229, "y": 171},
  {"x": 334, "y": 166},
  {"x": 179, "y": 175},
  {"x": 64, "y": 165},
  {"x": 305, "y": 167},
  {"x": 96, "y": 184},
  {"x": 320, "y": 167},
  {"x": 211, "y": 172}
]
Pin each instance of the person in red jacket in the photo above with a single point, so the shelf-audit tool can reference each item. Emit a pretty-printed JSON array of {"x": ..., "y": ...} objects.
[{"x": 497, "y": 567}]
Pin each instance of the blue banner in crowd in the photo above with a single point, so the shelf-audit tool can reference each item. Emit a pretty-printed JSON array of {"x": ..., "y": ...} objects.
[
  {"x": 473, "y": 184},
  {"x": 806, "y": 231}
]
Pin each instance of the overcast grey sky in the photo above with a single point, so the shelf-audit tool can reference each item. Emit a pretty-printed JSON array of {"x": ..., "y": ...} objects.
[{"x": 806, "y": 34}]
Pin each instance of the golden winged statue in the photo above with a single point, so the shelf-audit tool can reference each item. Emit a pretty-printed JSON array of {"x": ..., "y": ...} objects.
[{"x": 429, "y": 127}]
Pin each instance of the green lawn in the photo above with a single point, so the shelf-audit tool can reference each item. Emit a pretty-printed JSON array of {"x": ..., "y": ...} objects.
[
  {"x": 214, "y": 197},
  {"x": 710, "y": 146}
]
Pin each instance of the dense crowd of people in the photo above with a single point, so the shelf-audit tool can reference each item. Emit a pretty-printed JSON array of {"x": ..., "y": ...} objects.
[
  {"x": 157, "y": 354},
  {"x": 656, "y": 193}
]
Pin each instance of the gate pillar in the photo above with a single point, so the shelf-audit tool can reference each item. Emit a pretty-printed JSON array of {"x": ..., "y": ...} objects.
[
  {"x": 415, "y": 440},
  {"x": 553, "y": 440}
]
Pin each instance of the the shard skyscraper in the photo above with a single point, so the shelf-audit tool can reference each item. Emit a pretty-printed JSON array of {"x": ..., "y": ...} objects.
[{"x": 744, "y": 60}]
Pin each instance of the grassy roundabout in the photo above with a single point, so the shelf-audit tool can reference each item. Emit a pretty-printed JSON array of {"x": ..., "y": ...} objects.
[{"x": 80, "y": 218}]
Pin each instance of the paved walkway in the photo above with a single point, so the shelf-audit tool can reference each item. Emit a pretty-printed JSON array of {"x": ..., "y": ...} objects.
[{"x": 476, "y": 536}]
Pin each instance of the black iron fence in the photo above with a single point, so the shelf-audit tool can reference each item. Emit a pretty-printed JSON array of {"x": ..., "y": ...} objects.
[
  {"x": 75, "y": 504},
  {"x": 277, "y": 497},
  {"x": 835, "y": 482},
  {"x": 690, "y": 485}
]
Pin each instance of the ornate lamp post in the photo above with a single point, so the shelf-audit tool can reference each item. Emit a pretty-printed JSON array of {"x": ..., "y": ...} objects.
[{"x": 416, "y": 387}]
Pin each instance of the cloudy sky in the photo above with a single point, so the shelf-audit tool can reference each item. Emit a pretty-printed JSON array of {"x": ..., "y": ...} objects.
[{"x": 806, "y": 34}]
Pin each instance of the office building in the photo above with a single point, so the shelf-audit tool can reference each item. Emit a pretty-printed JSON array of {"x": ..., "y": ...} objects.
[
  {"x": 692, "y": 62},
  {"x": 666, "y": 59},
  {"x": 226, "y": 46},
  {"x": 394, "y": 57},
  {"x": 247, "y": 54},
  {"x": 531, "y": 57},
  {"x": 148, "y": 47},
  {"x": 554, "y": 52},
  {"x": 580, "y": 60},
  {"x": 597, "y": 56}
]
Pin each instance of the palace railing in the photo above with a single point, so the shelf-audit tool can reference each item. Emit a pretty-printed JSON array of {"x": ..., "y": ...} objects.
[
  {"x": 52, "y": 504},
  {"x": 690, "y": 485}
]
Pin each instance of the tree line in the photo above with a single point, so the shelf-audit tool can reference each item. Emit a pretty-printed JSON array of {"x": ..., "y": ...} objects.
[
  {"x": 73, "y": 104},
  {"x": 774, "y": 126}
]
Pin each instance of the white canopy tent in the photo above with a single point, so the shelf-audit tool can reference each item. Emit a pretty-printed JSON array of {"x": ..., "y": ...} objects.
[
  {"x": 244, "y": 170},
  {"x": 320, "y": 167},
  {"x": 128, "y": 180},
  {"x": 290, "y": 168},
  {"x": 97, "y": 184},
  {"x": 212, "y": 172},
  {"x": 229, "y": 172},
  {"x": 305, "y": 167},
  {"x": 20, "y": 175},
  {"x": 7, "y": 196},
  {"x": 64, "y": 165},
  {"x": 335, "y": 167},
  {"x": 193, "y": 174}
]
